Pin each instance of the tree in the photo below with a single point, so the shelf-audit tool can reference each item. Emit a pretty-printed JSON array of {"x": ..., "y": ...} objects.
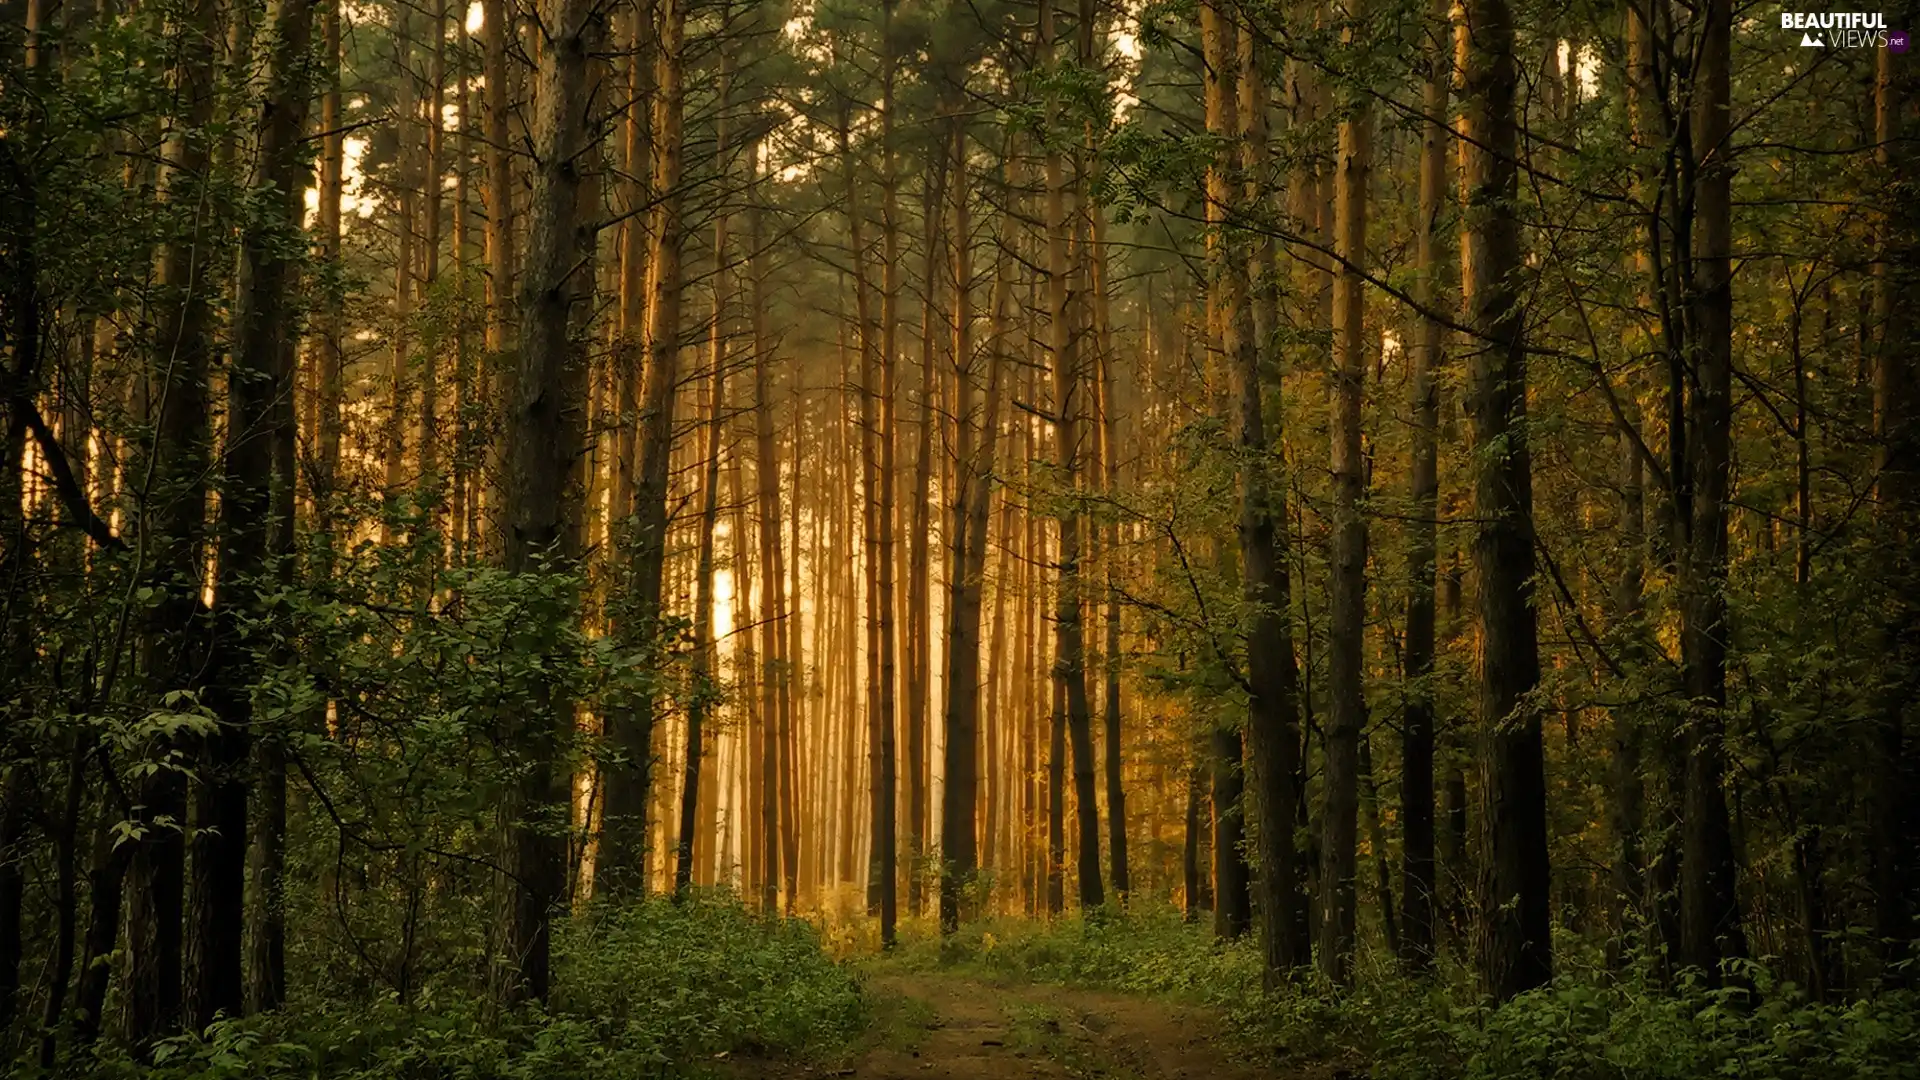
[
  {"x": 1348, "y": 713},
  {"x": 1517, "y": 952},
  {"x": 173, "y": 512},
  {"x": 257, "y": 527},
  {"x": 1710, "y": 916},
  {"x": 971, "y": 500},
  {"x": 1417, "y": 728},
  {"x": 545, "y": 487},
  {"x": 1272, "y": 678},
  {"x": 631, "y": 729}
]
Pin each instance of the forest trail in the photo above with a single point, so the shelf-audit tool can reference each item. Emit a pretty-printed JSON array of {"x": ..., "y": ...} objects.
[{"x": 939, "y": 1026}]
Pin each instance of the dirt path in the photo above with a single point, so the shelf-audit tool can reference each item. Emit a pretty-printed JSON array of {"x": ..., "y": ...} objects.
[{"x": 946, "y": 1027}]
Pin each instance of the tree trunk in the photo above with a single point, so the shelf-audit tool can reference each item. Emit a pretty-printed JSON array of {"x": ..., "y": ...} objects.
[
  {"x": 1120, "y": 873},
  {"x": 1710, "y": 915},
  {"x": 1272, "y": 705},
  {"x": 331, "y": 318},
  {"x": 256, "y": 508},
  {"x": 1063, "y": 354},
  {"x": 1895, "y": 864},
  {"x": 972, "y": 497},
  {"x": 545, "y": 485},
  {"x": 882, "y": 389},
  {"x": 399, "y": 339},
  {"x": 495, "y": 31},
  {"x": 919, "y": 637},
  {"x": 173, "y": 519},
  {"x": 1229, "y": 326},
  {"x": 624, "y": 830},
  {"x": 1517, "y": 950},
  {"x": 704, "y": 690},
  {"x": 1417, "y": 726},
  {"x": 1347, "y": 712}
]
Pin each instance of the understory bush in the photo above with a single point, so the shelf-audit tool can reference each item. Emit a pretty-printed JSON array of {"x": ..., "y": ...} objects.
[
  {"x": 1589, "y": 1024},
  {"x": 656, "y": 990}
]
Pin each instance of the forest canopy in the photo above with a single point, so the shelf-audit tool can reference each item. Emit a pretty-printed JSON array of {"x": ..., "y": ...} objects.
[{"x": 498, "y": 494}]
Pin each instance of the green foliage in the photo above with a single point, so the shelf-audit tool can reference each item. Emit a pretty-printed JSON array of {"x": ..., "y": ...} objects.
[
  {"x": 1590, "y": 1024},
  {"x": 646, "y": 991}
]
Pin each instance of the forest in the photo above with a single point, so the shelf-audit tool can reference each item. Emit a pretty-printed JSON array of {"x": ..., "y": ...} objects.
[{"x": 961, "y": 538}]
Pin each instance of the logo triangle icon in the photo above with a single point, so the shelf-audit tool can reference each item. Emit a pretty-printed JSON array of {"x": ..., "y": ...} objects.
[{"x": 1808, "y": 41}]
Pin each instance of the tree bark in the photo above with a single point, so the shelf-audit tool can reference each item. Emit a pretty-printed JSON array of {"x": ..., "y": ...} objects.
[
  {"x": 495, "y": 31},
  {"x": 1347, "y": 712},
  {"x": 173, "y": 512},
  {"x": 1070, "y": 662},
  {"x": 1516, "y": 947},
  {"x": 1272, "y": 703},
  {"x": 624, "y": 828},
  {"x": 545, "y": 483},
  {"x": 972, "y": 497},
  {"x": 703, "y": 690},
  {"x": 1417, "y": 726},
  {"x": 1710, "y": 929},
  {"x": 256, "y": 511}
]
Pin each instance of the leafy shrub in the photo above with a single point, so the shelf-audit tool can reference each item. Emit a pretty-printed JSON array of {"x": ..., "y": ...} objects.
[
  {"x": 1590, "y": 1024},
  {"x": 648, "y": 991}
]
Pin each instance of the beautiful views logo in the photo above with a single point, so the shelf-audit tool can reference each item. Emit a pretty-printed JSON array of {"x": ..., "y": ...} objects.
[{"x": 1841, "y": 29}]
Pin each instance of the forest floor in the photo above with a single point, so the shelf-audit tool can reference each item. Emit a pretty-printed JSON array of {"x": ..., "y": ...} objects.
[{"x": 948, "y": 1026}]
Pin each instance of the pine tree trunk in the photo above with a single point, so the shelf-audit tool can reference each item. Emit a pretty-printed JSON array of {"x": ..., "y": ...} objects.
[
  {"x": 256, "y": 507},
  {"x": 330, "y": 320},
  {"x": 1229, "y": 330},
  {"x": 1063, "y": 354},
  {"x": 879, "y": 389},
  {"x": 173, "y": 511},
  {"x": 1710, "y": 928},
  {"x": 1120, "y": 874},
  {"x": 1347, "y": 713},
  {"x": 972, "y": 497},
  {"x": 624, "y": 832},
  {"x": 1417, "y": 727},
  {"x": 495, "y": 31},
  {"x": 1517, "y": 948},
  {"x": 704, "y": 689},
  {"x": 545, "y": 485},
  {"x": 919, "y": 638}
]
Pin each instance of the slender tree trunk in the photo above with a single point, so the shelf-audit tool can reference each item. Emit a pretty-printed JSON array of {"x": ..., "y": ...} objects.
[
  {"x": 1517, "y": 947},
  {"x": 1272, "y": 706},
  {"x": 430, "y": 235},
  {"x": 704, "y": 689},
  {"x": 972, "y": 497},
  {"x": 624, "y": 833},
  {"x": 545, "y": 485},
  {"x": 881, "y": 390},
  {"x": 1347, "y": 713},
  {"x": 1417, "y": 725},
  {"x": 256, "y": 511},
  {"x": 330, "y": 319},
  {"x": 1070, "y": 664},
  {"x": 495, "y": 31},
  {"x": 173, "y": 521},
  {"x": 919, "y": 651},
  {"x": 400, "y": 343},
  {"x": 1895, "y": 865},
  {"x": 1120, "y": 873},
  {"x": 1229, "y": 330},
  {"x": 1710, "y": 928}
]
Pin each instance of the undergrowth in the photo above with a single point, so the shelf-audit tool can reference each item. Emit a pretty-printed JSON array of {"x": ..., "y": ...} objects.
[
  {"x": 657, "y": 990},
  {"x": 1590, "y": 1024}
]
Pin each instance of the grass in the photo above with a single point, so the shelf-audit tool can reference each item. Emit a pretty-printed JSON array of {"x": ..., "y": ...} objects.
[
  {"x": 656, "y": 991},
  {"x": 1591, "y": 1023}
]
